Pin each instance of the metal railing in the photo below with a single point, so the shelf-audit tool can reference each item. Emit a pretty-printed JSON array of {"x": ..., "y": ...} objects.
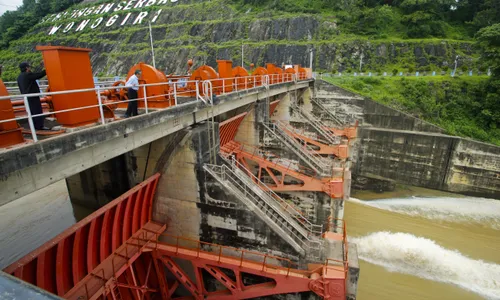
[
  {"x": 288, "y": 165},
  {"x": 317, "y": 125},
  {"x": 305, "y": 233},
  {"x": 203, "y": 91},
  {"x": 328, "y": 112},
  {"x": 268, "y": 263},
  {"x": 313, "y": 229},
  {"x": 304, "y": 151}
]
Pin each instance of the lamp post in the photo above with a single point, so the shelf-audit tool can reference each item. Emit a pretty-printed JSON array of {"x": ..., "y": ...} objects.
[
  {"x": 152, "y": 47},
  {"x": 311, "y": 58},
  {"x": 456, "y": 63}
]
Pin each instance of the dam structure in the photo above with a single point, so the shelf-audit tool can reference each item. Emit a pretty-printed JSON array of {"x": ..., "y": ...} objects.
[{"x": 229, "y": 184}]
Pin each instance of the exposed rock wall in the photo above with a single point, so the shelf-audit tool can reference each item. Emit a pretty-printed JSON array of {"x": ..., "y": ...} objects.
[{"x": 211, "y": 30}]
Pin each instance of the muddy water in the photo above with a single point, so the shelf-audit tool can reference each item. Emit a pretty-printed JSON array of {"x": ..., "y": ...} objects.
[{"x": 426, "y": 247}]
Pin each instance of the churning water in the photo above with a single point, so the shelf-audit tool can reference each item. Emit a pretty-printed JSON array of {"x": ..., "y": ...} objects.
[
  {"x": 481, "y": 211},
  {"x": 427, "y": 247},
  {"x": 409, "y": 254}
]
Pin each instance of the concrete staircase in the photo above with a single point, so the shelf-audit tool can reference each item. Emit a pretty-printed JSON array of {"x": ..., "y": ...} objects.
[
  {"x": 283, "y": 218},
  {"x": 321, "y": 165}
]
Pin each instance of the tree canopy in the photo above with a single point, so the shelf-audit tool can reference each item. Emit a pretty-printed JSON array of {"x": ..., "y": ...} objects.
[{"x": 14, "y": 24}]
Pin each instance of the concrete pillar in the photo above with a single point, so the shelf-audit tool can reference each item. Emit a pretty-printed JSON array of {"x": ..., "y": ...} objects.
[
  {"x": 181, "y": 188},
  {"x": 97, "y": 186}
]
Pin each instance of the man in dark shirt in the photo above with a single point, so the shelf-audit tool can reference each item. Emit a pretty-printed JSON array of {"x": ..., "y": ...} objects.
[{"x": 28, "y": 85}]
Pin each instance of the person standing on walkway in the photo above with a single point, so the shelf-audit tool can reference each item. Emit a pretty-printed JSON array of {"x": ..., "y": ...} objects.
[
  {"x": 133, "y": 84},
  {"x": 28, "y": 85}
]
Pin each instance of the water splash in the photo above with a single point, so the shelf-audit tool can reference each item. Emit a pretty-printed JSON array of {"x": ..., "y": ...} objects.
[
  {"x": 409, "y": 254},
  {"x": 476, "y": 210}
]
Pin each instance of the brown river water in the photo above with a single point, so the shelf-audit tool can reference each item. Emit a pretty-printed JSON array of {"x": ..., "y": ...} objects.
[
  {"x": 412, "y": 244},
  {"x": 427, "y": 246}
]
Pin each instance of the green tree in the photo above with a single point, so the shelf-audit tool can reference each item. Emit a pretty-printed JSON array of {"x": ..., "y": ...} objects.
[
  {"x": 489, "y": 41},
  {"x": 487, "y": 14},
  {"x": 14, "y": 24},
  {"x": 424, "y": 18}
]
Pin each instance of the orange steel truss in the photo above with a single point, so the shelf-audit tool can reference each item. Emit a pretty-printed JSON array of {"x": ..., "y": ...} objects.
[
  {"x": 118, "y": 252},
  {"x": 302, "y": 180},
  {"x": 151, "y": 264},
  {"x": 273, "y": 106},
  {"x": 229, "y": 128},
  {"x": 58, "y": 265},
  {"x": 349, "y": 132},
  {"x": 340, "y": 151}
]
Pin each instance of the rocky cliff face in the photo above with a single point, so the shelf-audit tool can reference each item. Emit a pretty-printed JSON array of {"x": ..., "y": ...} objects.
[{"x": 211, "y": 30}]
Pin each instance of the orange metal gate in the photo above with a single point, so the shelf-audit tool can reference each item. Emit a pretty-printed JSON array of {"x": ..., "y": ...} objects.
[{"x": 66, "y": 259}]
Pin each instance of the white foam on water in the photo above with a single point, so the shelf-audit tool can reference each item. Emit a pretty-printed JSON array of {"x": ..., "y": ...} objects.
[
  {"x": 477, "y": 210},
  {"x": 409, "y": 254}
]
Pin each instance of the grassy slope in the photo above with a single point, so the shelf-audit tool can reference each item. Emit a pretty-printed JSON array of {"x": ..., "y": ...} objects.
[
  {"x": 234, "y": 11},
  {"x": 452, "y": 103}
]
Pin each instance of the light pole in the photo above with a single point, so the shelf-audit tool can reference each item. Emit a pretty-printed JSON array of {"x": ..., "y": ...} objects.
[
  {"x": 311, "y": 58},
  {"x": 361, "y": 61},
  {"x": 456, "y": 63},
  {"x": 152, "y": 47}
]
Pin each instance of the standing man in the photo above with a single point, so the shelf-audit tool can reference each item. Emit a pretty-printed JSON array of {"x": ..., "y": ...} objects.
[
  {"x": 133, "y": 84},
  {"x": 28, "y": 85}
]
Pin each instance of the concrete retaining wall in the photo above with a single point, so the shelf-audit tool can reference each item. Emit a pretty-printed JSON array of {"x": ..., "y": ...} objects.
[{"x": 394, "y": 146}]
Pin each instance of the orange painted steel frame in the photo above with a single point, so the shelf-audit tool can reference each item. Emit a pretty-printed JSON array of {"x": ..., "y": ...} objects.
[
  {"x": 349, "y": 132},
  {"x": 69, "y": 69},
  {"x": 158, "y": 95},
  {"x": 225, "y": 68},
  {"x": 340, "y": 151},
  {"x": 229, "y": 128},
  {"x": 289, "y": 74},
  {"x": 272, "y": 107},
  {"x": 153, "y": 265},
  {"x": 280, "y": 276},
  {"x": 276, "y": 71},
  {"x": 10, "y": 133},
  {"x": 65, "y": 260},
  {"x": 334, "y": 187},
  {"x": 227, "y": 131},
  {"x": 242, "y": 83},
  {"x": 201, "y": 74},
  {"x": 331, "y": 186},
  {"x": 259, "y": 71}
]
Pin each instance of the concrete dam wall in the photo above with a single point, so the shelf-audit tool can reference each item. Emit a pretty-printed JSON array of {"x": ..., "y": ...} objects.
[{"x": 395, "y": 147}]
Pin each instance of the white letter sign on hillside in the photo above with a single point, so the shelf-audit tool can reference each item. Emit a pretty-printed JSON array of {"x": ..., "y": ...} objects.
[{"x": 95, "y": 16}]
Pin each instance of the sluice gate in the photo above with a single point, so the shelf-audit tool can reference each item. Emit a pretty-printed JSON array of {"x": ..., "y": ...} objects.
[
  {"x": 122, "y": 252},
  {"x": 118, "y": 252}
]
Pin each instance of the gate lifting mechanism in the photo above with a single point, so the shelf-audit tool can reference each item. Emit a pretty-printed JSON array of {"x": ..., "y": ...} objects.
[
  {"x": 71, "y": 92},
  {"x": 118, "y": 252}
]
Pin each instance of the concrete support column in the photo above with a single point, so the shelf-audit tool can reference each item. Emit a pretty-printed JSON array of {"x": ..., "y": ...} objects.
[{"x": 97, "y": 186}]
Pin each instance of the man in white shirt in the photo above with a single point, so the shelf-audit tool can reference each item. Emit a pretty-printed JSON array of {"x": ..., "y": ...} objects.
[{"x": 133, "y": 84}]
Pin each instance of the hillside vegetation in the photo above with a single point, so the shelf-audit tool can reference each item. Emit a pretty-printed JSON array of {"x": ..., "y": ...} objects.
[
  {"x": 344, "y": 36},
  {"x": 453, "y": 103}
]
